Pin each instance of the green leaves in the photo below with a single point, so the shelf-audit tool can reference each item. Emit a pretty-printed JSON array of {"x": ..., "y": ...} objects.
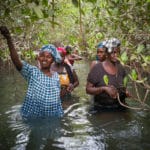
[
  {"x": 125, "y": 81},
  {"x": 75, "y": 2},
  {"x": 139, "y": 49},
  {"x": 37, "y": 9},
  {"x": 134, "y": 74},
  {"x": 106, "y": 79},
  {"x": 99, "y": 36},
  {"x": 28, "y": 55},
  {"x": 124, "y": 57}
]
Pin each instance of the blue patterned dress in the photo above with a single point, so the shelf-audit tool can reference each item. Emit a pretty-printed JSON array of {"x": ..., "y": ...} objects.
[{"x": 43, "y": 95}]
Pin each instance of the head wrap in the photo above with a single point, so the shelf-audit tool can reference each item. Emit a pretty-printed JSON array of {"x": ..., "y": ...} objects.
[
  {"x": 111, "y": 44},
  {"x": 52, "y": 49},
  {"x": 116, "y": 41},
  {"x": 62, "y": 50},
  {"x": 101, "y": 44}
]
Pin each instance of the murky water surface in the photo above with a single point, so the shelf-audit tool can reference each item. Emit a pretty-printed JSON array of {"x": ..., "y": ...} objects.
[{"x": 77, "y": 130}]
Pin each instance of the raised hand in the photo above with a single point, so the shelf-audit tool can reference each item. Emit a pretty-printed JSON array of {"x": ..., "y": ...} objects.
[
  {"x": 13, "y": 53},
  {"x": 5, "y": 31}
]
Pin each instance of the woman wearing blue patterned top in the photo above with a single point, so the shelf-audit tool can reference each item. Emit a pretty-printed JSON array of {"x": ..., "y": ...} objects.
[{"x": 43, "y": 95}]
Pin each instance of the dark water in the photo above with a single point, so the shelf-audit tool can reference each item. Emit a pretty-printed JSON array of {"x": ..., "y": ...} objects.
[{"x": 77, "y": 130}]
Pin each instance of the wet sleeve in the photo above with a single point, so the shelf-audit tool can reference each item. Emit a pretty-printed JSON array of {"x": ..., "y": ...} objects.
[{"x": 26, "y": 70}]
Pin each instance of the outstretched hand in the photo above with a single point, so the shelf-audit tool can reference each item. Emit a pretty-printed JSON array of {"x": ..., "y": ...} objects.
[{"x": 4, "y": 31}]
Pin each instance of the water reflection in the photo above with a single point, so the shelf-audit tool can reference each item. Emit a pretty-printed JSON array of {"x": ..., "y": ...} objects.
[
  {"x": 43, "y": 131},
  {"x": 118, "y": 129},
  {"x": 33, "y": 133},
  {"x": 79, "y": 129},
  {"x": 16, "y": 124}
]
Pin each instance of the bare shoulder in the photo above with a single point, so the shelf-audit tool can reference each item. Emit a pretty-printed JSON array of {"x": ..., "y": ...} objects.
[{"x": 93, "y": 63}]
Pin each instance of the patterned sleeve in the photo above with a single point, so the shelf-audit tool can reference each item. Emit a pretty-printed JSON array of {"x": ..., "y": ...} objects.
[{"x": 26, "y": 70}]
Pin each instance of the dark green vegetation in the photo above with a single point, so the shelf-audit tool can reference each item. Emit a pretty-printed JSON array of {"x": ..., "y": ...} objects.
[{"x": 84, "y": 23}]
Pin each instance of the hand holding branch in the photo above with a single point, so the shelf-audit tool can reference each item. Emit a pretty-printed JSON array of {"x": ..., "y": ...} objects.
[
  {"x": 5, "y": 32},
  {"x": 13, "y": 53}
]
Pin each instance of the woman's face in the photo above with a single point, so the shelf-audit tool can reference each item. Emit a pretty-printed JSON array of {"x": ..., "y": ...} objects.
[
  {"x": 113, "y": 56},
  {"x": 101, "y": 54},
  {"x": 45, "y": 59}
]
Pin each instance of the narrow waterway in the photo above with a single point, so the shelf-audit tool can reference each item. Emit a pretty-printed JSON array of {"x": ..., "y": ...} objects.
[{"x": 77, "y": 130}]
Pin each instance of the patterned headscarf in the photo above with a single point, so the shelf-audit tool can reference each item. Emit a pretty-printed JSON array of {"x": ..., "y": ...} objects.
[
  {"x": 52, "y": 49},
  {"x": 116, "y": 41},
  {"x": 111, "y": 44},
  {"x": 101, "y": 44}
]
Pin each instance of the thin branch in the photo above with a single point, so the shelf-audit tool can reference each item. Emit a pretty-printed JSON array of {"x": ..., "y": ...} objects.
[
  {"x": 137, "y": 92},
  {"x": 146, "y": 94},
  {"x": 122, "y": 104}
]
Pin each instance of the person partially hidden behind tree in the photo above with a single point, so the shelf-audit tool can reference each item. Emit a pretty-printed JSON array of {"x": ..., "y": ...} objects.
[
  {"x": 106, "y": 80},
  {"x": 42, "y": 99}
]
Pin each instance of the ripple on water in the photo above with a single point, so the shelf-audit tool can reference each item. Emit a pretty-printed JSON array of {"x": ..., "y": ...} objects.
[
  {"x": 16, "y": 124},
  {"x": 14, "y": 118}
]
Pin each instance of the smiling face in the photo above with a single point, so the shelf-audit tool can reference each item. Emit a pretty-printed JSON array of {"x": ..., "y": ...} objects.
[{"x": 45, "y": 59}]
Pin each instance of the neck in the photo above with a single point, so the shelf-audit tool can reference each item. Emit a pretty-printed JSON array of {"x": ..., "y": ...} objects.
[
  {"x": 110, "y": 67},
  {"x": 107, "y": 61},
  {"x": 46, "y": 71}
]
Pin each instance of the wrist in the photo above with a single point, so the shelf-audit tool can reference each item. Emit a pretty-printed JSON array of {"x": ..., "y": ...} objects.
[
  {"x": 101, "y": 89},
  {"x": 71, "y": 86}
]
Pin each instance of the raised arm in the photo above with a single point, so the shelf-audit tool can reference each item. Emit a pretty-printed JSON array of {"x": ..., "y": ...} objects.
[
  {"x": 76, "y": 57},
  {"x": 13, "y": 52}
]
